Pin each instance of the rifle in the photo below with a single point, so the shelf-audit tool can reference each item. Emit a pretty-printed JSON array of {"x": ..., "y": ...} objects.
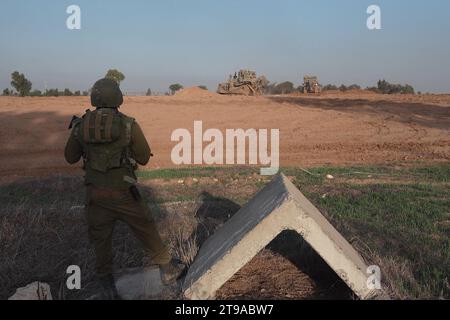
[{"x": 74, "y": 119}]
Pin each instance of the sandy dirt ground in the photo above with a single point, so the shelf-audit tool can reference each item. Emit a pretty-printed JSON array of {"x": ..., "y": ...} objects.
[
  {"x": 332, "y": 129},
  {"x": 269, "y": 275}
]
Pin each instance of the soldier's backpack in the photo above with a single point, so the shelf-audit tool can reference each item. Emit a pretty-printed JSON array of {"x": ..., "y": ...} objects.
[{"x": 105, "y": 135}]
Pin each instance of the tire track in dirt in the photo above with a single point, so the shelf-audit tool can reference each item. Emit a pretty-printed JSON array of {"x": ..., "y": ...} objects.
[{"x": 420, "y": 132}]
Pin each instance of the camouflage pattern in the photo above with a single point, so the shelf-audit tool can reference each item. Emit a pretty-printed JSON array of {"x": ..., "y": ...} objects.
[
  {"x": 106, "y": 94},
  {"x": 104, "y": 207},
  {"x": 111, "y": 146}
]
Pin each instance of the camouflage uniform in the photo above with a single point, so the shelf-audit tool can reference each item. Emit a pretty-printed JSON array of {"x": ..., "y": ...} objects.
[{"x": 111, "y": 145}]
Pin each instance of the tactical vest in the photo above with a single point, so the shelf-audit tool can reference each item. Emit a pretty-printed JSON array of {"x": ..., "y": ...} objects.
[{"x": 105, "y": 135}]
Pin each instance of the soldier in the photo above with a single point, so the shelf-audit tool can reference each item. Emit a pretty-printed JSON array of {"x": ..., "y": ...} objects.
[{"x": 111, "y": 145}]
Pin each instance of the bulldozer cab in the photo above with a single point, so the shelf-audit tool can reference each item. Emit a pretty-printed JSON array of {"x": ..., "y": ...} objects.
[
  {"x": 311, "y": 85},
  {"x": 246, "y": 75}
]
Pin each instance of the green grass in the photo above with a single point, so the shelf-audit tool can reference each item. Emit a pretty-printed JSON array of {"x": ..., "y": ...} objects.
[
  {"x": 193, "y": 172},
  {"x": 399, "y": 220},
  {"x": 397, "y": 217},
  {"x": 436, "y": 173},
  {"x": 400, "y": 214},
  {"x": 175, "y": 173},
  {"x": 408, "y": 223}
]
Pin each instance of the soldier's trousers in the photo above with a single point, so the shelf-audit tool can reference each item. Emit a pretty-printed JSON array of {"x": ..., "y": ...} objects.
[{"x": 104, "y": 207}]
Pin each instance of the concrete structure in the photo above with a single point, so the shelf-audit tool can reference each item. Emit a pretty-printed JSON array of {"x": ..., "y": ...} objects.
[
  {"x": 139, "y": 283},
  {"x": 34, "y": 291},
  {"x": 279, "y": 206}
]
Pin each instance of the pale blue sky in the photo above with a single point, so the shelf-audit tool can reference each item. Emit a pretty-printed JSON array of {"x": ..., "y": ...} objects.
[{"x": 156, "y": 43}]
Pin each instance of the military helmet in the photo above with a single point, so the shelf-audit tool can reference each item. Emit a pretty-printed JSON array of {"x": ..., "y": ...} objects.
[{"x": 106, "y": 94}]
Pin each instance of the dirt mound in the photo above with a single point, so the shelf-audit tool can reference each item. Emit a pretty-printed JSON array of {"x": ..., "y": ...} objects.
[{"x": 194, "y": 92}]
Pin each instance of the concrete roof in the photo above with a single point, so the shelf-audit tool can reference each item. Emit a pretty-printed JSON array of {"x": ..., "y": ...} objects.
[{"x": 277, "y": 207}]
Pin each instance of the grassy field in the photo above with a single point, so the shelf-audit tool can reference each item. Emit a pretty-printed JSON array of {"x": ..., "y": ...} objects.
[{"x": 396, "y": 217}]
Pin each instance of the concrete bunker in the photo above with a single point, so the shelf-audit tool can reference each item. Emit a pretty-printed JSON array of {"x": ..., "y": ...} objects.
[{"x": 278, "y": 207}]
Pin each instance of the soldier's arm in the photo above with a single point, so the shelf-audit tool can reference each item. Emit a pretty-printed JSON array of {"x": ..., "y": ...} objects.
[
  {"x": 139, "y": 145},
  {"x": 73, "y": 150}
]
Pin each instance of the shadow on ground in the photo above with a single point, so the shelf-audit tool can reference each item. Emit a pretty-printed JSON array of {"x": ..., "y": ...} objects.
[
  {"x": 212, "y": 213},
  {"x": 289, "y": 245},
  {"x": 427, "y": 115},
  {"x": 43, "y": 231}
]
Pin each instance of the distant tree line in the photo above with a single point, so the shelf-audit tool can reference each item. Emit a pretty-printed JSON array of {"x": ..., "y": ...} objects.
[
  {"x": 288, "y": 87},
  {"x": 342, "y": 87},
  {"x": 23, "y": 87},
  {"x": 173, "y": 88},
  {"x": 382, "y": 87},
  {"x": 280, "y": 88},
  {"x": 65, "y": 93},
  {"x": 385, "y": 87},
  {"x": 47, "y": 93}
]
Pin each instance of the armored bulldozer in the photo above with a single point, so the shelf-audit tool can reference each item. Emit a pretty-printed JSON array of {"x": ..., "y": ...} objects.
[
  {"x": 311, "y": 85},
  {"x": 245, "y": 83}
]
